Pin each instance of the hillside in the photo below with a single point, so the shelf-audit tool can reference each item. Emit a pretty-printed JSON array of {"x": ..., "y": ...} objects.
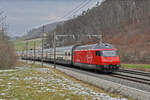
[
  {"x": 37, "y": 32},
  {"x": 124, "y": 23},
  {"x": 20, "y": 44}
]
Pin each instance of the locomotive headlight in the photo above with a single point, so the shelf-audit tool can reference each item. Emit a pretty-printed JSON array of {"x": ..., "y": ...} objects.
[
  {"x": 105, "y": 66},
  {"x": 118, "y": 65}
]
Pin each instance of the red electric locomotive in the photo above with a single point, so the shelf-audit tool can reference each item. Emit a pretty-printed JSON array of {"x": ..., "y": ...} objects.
[{"x": 101, "y": 56}]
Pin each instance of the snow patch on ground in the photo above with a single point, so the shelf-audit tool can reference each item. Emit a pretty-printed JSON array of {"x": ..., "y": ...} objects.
[
  {"x": 73, "y": 87},
  {"x": 49, "y": 81},
  {"x": 7, "y": 70}
]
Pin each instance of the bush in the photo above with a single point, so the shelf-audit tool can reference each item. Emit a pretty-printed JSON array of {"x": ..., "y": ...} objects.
[{"x": 7, "y": 53}]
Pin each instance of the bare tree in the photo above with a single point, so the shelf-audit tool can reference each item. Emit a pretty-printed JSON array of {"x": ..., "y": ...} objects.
[{"x": 7, "y": 54}]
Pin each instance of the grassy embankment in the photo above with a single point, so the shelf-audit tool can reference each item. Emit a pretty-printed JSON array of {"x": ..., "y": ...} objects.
[
  {"x": 21, "y": 44},
  {"x": 35, "y": 83},
  {"x": 142, "y": 67}
]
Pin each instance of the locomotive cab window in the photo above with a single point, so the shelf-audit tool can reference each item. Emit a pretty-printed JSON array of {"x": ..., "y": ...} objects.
[
  {"x": 98, "y": 53},
  {"x": 109, "y": 53}
]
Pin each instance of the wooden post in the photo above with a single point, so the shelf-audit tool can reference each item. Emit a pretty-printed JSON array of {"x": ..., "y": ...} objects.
[
  {"x": 34, "y": 50},
  {"x": 22, "y": 54},
  {"x": 54, "y": 44},
  {"x": 27, "y": 52},
  {"x": 101, "y": 38},
  {"x": 42, "y": 45}
]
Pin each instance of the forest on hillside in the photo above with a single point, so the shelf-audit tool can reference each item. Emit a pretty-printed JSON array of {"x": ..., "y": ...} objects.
[
  {"x": 7, "y": 53},
  {"x": 123, "y": 23}
]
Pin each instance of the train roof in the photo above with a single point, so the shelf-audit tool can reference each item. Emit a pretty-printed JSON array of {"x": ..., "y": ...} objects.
[
  {"x": 60, "y": 48},
  {"x": 83, "y": 47},
  {"x": 66, "y": 47},
  {"x": 79, "y": 47},
  {"x": 95, "y": 46}
]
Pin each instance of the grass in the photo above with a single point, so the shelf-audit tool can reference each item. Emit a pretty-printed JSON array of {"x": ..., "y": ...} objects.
[
  {"x": 21, "y": 44},
  {"x": 143, "y": 67},
  {"x": 30, "y": 82}
]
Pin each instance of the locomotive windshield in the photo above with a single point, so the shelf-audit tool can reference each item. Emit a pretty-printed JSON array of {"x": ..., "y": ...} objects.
[{"x": 109, "y": 53}]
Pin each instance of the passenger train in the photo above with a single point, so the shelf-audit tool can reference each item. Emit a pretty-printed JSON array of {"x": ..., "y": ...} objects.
[{"x": 100, "y": 56}]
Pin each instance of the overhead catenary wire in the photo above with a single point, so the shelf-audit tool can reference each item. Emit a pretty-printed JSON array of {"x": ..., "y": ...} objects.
[
  {"x": 76, "y": 8},
  {"x": 67, "y": 14},
  {"x": 70, "y": 13},
  {"x": 74, "y": 12}
]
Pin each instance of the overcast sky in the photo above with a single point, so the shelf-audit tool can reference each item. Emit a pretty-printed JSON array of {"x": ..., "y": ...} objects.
[{"x": 23, "y": 15}]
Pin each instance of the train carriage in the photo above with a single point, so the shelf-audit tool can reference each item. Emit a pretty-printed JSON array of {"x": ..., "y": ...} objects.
[
  {"x": 24, "y": 53},
  {"x": 64, "y": 55},
  {"x": 45, "y": 54}
]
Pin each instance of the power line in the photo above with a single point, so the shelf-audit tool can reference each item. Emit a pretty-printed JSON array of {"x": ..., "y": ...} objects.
[
  {"x": 81, "y": 7},
  {"x": 71, "y": 11},
  {"x": 74, "y": 9}
]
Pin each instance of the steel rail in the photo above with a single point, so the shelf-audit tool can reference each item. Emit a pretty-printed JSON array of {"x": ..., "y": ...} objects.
[
  {"x": 131, "y": 78},
  {"x": 135, "y": 72}
]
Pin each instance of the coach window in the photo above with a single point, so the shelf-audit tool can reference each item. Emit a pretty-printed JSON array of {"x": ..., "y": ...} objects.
[
  {"x": 65, "y": 53},
  {"x": 98, "y": 53},
  {"x": 68, "y": 53}
]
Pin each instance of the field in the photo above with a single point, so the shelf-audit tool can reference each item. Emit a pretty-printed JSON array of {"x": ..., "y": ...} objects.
[
  {"x": 21, "y": 44},
  {"x": 30, "y": 82},
  {"x": 143, "y": 67}
]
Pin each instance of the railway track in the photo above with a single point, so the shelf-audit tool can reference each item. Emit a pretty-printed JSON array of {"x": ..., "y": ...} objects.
[
  {"x": 135, "y": 72},
  {"x": 132, "y": 78},
  {"x": 133, "y": 75}
]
